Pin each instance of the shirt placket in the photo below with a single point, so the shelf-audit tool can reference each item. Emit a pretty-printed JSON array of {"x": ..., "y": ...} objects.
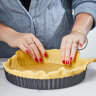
[
  {"x": 33, "y": 24},
  {"x": 34, "y": 4}
]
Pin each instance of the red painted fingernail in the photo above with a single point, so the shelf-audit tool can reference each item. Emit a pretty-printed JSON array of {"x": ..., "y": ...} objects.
[
  {"x": 27, "y": 51},
  {"x": 80, "y": 45},
  {"x": 36, "y": 59},
  {"x": 63, "y": 61},
  {"x": 40, "y": 59},
  {"x": 45, "y": 54},
  {"x": 67, "y": 62},
  {"x": 71, "y": 58}
]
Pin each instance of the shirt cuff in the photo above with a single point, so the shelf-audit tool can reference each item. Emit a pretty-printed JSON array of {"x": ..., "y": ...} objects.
[{"x": 86, "y": 7}]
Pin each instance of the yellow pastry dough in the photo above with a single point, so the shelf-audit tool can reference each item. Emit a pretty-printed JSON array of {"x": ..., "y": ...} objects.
[{"x": 22, "y": 65}]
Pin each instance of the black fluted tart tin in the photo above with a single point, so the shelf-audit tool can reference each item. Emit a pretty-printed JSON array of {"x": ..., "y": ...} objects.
[{"x": 45, "y": 84}]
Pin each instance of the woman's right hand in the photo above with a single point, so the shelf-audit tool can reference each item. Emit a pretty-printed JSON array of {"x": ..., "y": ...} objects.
[{"x": 28, "y": 43}]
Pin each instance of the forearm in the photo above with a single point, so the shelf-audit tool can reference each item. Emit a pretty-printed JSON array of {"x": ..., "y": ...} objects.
[
  {"x": 6, "y": 33},
  {"x": 83, "y": 23}
]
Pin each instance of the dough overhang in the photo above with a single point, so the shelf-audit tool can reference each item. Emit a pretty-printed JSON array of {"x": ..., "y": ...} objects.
[{"x": 22, "y": 65}]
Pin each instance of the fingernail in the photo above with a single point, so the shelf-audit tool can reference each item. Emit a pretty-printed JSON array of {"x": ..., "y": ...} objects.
[
  {"x": 27, "y": 51},
  {"x": 45, "y": 54},
  {"x": 80, "y": 45},
  {"x": 71, "y": 58},
  {"x": 67, "y": 62},
  {"x": 40, "y": 59},
  {"x": 36, "y": 59},
  {"x": 63, "y": 61}
]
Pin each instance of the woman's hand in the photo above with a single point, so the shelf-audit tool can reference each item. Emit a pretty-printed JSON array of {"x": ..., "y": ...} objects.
[
  {"x": 28, "y": 43},
  {"x": 69, "y": 46},
  {"x": 83, "y": 22}
]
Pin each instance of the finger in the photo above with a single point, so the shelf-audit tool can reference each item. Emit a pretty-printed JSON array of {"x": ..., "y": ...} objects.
[
  {"x": 28, "y": 40},
  {"x": 36, "y": 52},
  {"x": 81, "y": 42},
  {"x": 32, "y": 54},
  {"x": 30, "y": 51},
  {"x": 68, "y": 50},
  {"x": 23, "y": 48},
  {"x": 27, "y": 45},
  {"x": 62, "y": 48},
  {"x": 40, "y": 47},
  {"x": 73, "y": 51}
]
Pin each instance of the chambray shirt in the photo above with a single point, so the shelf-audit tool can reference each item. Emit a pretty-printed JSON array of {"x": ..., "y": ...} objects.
[{"x": 48, "y": 20}]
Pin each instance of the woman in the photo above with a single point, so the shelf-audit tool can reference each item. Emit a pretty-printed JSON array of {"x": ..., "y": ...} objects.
[{"x": 36, "y": 25}]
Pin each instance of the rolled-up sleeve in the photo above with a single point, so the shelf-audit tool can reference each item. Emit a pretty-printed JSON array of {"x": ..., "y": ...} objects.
[{"x": 85, "y": 6}]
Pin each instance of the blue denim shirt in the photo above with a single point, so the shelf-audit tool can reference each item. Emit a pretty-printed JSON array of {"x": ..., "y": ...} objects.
[{"x": 48, "y": 20}]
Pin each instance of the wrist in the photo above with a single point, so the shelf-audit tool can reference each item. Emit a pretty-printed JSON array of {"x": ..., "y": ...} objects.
[{"x": 79, "y": 31}]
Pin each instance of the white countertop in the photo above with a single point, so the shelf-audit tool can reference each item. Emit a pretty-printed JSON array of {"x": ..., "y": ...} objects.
[{"x": 85, "y": 88}]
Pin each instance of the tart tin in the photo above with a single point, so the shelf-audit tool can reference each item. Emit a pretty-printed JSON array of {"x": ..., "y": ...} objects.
[{"x": 45, "y": 84}]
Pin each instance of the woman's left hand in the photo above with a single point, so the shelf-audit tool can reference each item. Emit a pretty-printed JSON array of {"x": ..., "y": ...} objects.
[{"x": 69, "y": 46}]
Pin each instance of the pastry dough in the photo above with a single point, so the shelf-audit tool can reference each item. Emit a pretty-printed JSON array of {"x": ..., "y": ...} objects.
[{"x": 22, "y": 65}]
